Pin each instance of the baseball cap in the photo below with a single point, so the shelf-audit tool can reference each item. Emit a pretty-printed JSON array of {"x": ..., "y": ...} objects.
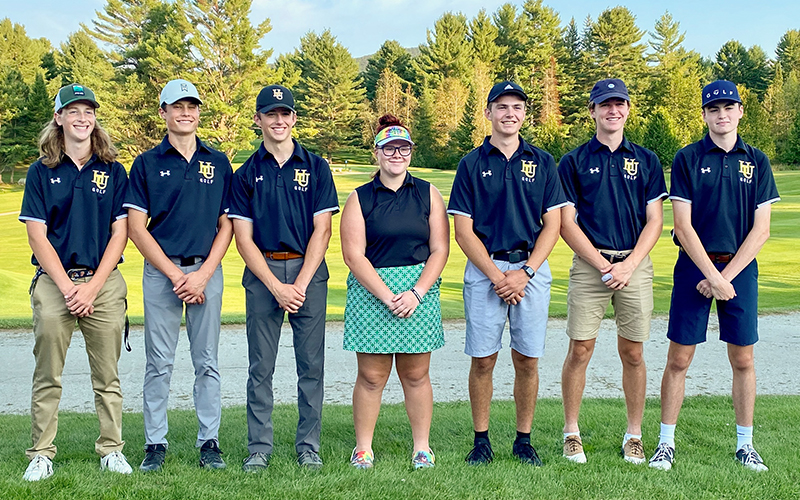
[
  {"x": 74, "y": 92},
  {"x": 504, "y": 88},
  {"x": 393, "y": 133},
  {"x": 609, "y": 89},
  {"x": 175, "y": 90},
  {"x": 274, "y": 96},
  {"x": 720, "y": 90}
]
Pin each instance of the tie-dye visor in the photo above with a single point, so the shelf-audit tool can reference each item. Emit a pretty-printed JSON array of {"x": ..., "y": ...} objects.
[{"x": 393, "y": 133}]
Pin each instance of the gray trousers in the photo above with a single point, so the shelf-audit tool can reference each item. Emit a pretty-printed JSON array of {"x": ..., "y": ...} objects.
[
  {"x": 162, "y": 323},
  {"x": 264, "y": 320}
]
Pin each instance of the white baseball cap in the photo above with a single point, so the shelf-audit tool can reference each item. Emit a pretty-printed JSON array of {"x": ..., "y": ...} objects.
[{"x": 175, "y": 90}]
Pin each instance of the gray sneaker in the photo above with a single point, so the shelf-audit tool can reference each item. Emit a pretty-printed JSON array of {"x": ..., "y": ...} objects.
[
  {"x": 309, "y": 459},
  {"x": 256, "y": 462}
]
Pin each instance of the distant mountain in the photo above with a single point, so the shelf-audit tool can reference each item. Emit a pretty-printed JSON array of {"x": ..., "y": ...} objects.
[{"x": 362, "y": 61}]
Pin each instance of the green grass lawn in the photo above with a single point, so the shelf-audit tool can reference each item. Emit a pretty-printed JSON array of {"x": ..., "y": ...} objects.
[
  {"x": 704, "y": 465},
  {"x": 778, "y": 262}
]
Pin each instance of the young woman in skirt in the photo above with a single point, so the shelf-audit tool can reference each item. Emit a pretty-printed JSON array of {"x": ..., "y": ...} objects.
[{"x": 395, "y": 240}]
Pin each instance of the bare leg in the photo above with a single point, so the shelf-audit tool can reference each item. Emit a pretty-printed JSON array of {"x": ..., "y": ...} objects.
[
  {"x": 634, "y": 381},
  {"x": 526, "y": 389},
  {"x": 413, "y": 372},
  {"x": 573, "y": 380},
  {"x": 480, "y": 390},
  {"x": 744, "y": 383},
  {"x": 373, "y": 372},
  {"x": 673, "y": 383}
]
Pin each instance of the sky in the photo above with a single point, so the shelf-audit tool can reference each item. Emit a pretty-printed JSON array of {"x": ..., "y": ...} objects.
[{"x": 362, "y": 25}]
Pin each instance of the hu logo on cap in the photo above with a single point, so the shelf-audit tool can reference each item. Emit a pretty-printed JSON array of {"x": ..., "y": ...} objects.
[
  {"x": 746, "y": 169},
  {"x": 99, "y": 179},
  {"x": 207, "y": 171},
  {"x": 529, "y": 169},
  {"x": 631, "y": 167},
  {"x": 277, "y": 94},
  {"x": 301, "y": 177}
]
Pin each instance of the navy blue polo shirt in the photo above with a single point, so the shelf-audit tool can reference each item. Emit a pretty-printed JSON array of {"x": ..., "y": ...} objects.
[
  {"x": 77, "y": 206},
  {"x": 184, "y": 199},
  {"x": 396, "y": 222},
  {"x": 611, "y": 190},
  {"x": 282, "y": 202},
  {"x": 724, "y": 188},
  {"x": 506, "y": 198}
]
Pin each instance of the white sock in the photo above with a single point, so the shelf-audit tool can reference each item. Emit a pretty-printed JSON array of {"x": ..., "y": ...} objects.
[
  {"x": 667, "y": 434},
  {"x": 628, "y": 436},
  {"x": 744, "y": 435},
  {"x": 567, "y": 434}
]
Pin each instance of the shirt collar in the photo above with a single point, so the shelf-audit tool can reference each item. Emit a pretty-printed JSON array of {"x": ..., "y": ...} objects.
[
  {"x": 166, "y": 146},
  {"x": 595, "y": 145},
  {"x": 488, "y": 147},
  {"x": 377, "y": 184},
  {"x": 708, "y": 144},
  {"x": 296, "y": 153}
]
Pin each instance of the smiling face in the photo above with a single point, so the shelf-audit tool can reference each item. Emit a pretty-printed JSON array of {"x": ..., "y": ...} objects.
[
  {"x": 182, "y": 117},
  {"x": 722, "y": 117},
  {"x": 507, "y": 114},
  {"x": 77, "y": 120},
  {"x": 276, "y": 125},
  {"x": 395, "y": 165},
  {"x": 611, "y": 115}
]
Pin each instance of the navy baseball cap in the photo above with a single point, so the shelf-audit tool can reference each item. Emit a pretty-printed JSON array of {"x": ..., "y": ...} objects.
[
  {"x": 721, "y": 90},
  {"x": 175, "y": 90},
  {"x": 505, "y": 88},
  {"x": 608, "y": 89},
  {"x": 74, "y": 92},
  {"x": 274, "y": 96}
]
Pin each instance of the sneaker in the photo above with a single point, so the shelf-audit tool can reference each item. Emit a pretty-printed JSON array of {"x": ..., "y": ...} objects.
[
  {"x": 153, "y": 457},
  {"x": 423, "y": 459},
  {"x": 750, "y": 458},
  {"x": 115, "y": 462},
  {"x": 523, "y": 450},
  {"x": 211, "y": 455},
  {"x": 573, "y": 449},
  {"x": 309, "y": 459},
  {"x": 40, "y": 468},
  {"x": 256, "y": 462},
  {"x": 633, "y": 451},
  {"x": 663, "y": 457},
  {"x": 481, "y": 453},
  {"x": 361, "y": 460}
]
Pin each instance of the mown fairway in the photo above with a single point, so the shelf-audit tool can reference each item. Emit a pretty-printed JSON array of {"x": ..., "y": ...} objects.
[{"x": 778, "y": 261}]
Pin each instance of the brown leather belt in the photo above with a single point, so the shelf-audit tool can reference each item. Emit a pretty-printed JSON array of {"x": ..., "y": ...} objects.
[
  {"x": 282, "y": 255},
  {"x": 720, "y": 258}
]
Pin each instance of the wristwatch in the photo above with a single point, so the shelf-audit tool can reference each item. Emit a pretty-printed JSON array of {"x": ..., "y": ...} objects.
[{"x": 530, "y": 272}]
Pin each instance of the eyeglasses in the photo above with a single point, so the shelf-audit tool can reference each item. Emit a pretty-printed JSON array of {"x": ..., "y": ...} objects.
[{"x": 388, "y": 151}]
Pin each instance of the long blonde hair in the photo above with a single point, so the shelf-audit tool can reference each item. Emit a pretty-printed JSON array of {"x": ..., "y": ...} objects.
[{"x": 51, "y": 144}]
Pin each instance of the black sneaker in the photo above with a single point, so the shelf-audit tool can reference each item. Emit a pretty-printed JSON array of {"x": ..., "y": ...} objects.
[
  {"x": 211, "y": 455},
  {"x": 523, "y": 450},
  {"x": 153, "y": 457},
  {"x": 481, "y": 453}
]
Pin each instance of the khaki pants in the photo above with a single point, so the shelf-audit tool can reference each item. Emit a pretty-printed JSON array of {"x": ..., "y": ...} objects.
[{"x": 53, "y": 326}]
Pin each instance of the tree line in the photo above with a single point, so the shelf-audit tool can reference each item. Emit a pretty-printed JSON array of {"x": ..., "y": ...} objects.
[{"x": 131, "y": 48}]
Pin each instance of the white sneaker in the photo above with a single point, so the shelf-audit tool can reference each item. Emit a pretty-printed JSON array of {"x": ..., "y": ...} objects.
[
  {"x": 40, "y": 468},
  {"x": 115, "y": 462}
]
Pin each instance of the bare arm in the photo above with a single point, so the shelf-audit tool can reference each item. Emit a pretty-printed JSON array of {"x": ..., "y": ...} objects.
[
  {"x": 752, "y": 244},
  {"x": 621, "y": 272},
  {"x": 48, "y": 259},
  {"x": 578, "y": 241},
  {"x": 474, "y": 249},
  {"x": 315, "y": 251}
]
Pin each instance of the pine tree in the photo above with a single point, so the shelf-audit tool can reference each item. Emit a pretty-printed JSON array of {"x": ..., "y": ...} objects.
[
  {"x": 391, "y": 56},
  {"x": 615, "y": 48},
  {"x": 748, "y": 67},
  {"x": 483, "y": 36},
  {"x": 660, "y": 138},
  {"x": 461, "y": 141},
  {"x": 788, "y": 51},
  {"x": 448, "y": 51},
  {"x": 426, "y": 152},
  {"x": 754, "y": 126},
  {"x": 792, "y": 148}
]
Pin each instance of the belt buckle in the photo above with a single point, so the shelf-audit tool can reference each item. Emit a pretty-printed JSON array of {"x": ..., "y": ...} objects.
[{"x": 514, "y": 257}]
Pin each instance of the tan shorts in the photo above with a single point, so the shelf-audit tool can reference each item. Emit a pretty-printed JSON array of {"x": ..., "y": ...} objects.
[{"x": 588, "y": 297}]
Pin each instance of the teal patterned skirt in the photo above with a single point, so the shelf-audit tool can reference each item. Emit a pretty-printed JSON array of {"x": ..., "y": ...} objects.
[{"x": 369, "y": 325}]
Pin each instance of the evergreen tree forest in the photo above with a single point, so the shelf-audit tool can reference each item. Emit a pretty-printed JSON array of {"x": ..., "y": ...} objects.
[{"x": 131, "y": 48}]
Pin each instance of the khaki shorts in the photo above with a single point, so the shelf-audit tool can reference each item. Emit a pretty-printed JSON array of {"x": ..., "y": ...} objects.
[{"x": 588, "y": 297}]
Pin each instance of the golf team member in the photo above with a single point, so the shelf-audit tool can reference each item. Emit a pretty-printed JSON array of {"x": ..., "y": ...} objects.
[
  {"x": 722, "y": 191},
  {"x": 77, "y": 229},
  {"x": 506, "y": 202},
  {"x": 614, "y": 217},
  {"x": 282, "y": 202},
  {"x": 181, "y": 186}
]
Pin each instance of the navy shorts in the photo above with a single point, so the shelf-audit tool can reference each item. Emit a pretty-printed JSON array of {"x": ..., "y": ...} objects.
[{"x": 689, "y": 309}]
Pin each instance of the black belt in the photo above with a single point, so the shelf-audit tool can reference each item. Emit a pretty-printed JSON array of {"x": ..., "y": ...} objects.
[
  {"x": 512, "y": 257},
  {"x": 81, "y": 272},
  {"x": 186, "y": 261},
  {"x": 612, "y": 258}
]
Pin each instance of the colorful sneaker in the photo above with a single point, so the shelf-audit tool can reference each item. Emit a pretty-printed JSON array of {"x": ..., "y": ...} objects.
[
  {"x": 523, "y": 450},
  {"x": 749, "y": 457},
  {"x": 481, "y": 453},
  {"x": 663, "y": 457},
  {"x": 310, "y": 460},
  {"x": 361, "y": 460},
  {"x": 153, "y": 457},
  {"x": 211, "y": 455},
  {"x": 423, "y": 459},
  {"x": 40, "y": 468},
  {"x": 256, "y": 462},
  {"x": 115, "y": 462},
  {"x": 573, "y": 449},
  {"x": 633, "y": 451}
]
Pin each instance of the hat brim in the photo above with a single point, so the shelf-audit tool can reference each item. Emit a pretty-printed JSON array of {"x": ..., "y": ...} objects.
[
  {"x": 387, "y": 140},
  {"x": 612, "y": 95},
  {"x": 270, "y": 107},
  {"x": 92, "y": 102},
  {"x": 194, "y": 99},
  {"x": 721, "y": 98}
]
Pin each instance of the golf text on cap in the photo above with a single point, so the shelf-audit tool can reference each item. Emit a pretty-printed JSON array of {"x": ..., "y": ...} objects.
[
  {"x": 609, "y": 88},
  {"x": 720, "y": 90}
]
